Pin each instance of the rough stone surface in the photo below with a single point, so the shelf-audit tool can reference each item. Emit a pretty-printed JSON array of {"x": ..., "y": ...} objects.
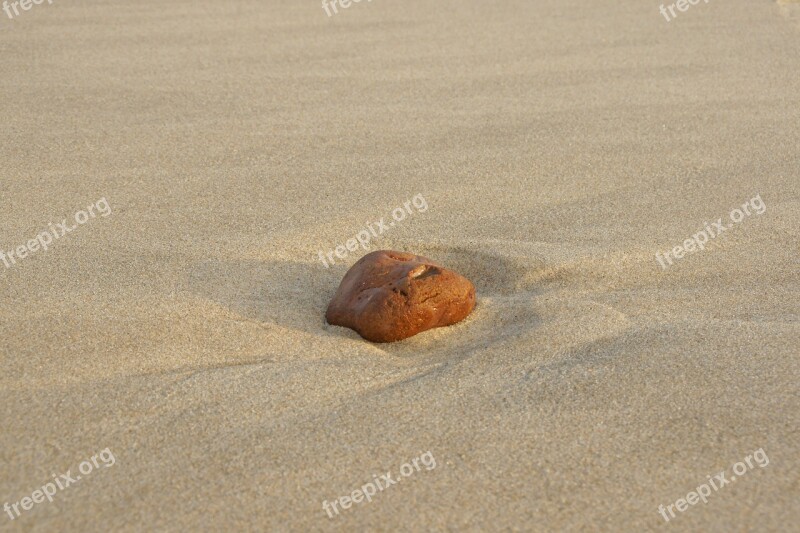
[{"x": 388, "y": 296}]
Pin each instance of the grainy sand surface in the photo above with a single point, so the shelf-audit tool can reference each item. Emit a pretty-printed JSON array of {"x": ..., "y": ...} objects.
[{"x": 559, "y": 145}]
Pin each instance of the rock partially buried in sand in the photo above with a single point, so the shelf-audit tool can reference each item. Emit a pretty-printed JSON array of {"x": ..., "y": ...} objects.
[{"x": 388, "y": 296}]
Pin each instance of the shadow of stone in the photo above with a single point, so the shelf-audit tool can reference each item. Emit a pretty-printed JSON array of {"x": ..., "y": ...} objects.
[
  {"x": 289, "y": 294},
  {"x": 295, "y": 296}
]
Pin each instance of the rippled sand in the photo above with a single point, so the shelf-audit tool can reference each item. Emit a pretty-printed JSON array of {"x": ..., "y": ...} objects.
[{"x": 559, "y": 145}]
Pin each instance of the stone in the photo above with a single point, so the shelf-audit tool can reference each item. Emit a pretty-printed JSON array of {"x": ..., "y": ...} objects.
[{"x": 389, "y": 296}]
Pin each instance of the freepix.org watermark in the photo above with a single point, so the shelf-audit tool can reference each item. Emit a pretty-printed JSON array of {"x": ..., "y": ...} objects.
[
  {"x": 329, "y": 5},
  {"x": 60, "y": 482},
  {"x": 703, "y": 491},
  {"x": 682, "y": 5},
  {"x": 713, "y": 230},
  {"x": 25, "y": 5},
  {"x": 374, "y": 230},
  {"x": 47, "y": 237},
  {"x": 370, "y": 489}
]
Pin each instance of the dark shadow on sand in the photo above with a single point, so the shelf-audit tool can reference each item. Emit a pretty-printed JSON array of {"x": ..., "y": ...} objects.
[{"x": 295, "y": 295}]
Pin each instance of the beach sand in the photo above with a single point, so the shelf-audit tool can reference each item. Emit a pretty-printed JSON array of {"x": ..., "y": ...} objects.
[{"x": 559, "y": 147}]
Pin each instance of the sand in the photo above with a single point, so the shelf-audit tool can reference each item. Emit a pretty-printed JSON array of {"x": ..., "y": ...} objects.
[{"x": 559, "y": 145}]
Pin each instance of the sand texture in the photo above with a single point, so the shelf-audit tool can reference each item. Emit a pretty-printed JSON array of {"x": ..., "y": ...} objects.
[{"x": 559, "y": 146}]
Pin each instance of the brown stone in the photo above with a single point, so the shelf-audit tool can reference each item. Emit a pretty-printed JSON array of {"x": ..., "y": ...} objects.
[{"x": 388, "y": 296}]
